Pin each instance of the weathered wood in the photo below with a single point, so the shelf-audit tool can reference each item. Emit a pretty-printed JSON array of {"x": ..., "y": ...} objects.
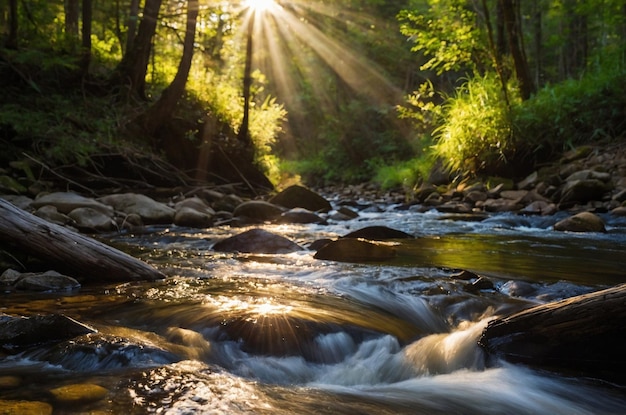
[
  {"x": 75, "y": 254},
  {"x": 581, "y": 336}
]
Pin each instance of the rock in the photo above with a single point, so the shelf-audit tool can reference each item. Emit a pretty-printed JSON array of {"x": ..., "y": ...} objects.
[
  {"x": 196, "y": 204},
  {"x": 540, "y": 208},
  {"x": 581, "y": 222},
  {"x": 378, "y": 233},
  {"x": 349, "y": 213},
  {"x": 79, "y": 393},
  {"x": 47, "y": 281},
  {"x": 356, "y": 250},
  {"x": 529, "y": 182},
  {"x": 475, "y": 196},
  {"x": 19, "y": 333},
  {"x": 516, "y": 195},
  {"x": 300, "y": 215},
  {"x": 577, "y": 153},
  {"x": 588, "y": 175},
  {"x": 88, "y": 219},
  {"x": 299, "y": 196},
  {"x": 65, "y": 202},
  {"x": 582, "y": 191},
  {"x": 25, "y": 408},
  {"x": 190, "y": 217},
  {"x": 52, "y": 215},
  {"x": 257, "y": 241},
  {"x": 501, "y": 205},
  {"x": 227, "y": 203},
  {"x": 619, "y": 211},
  {"x": 258, "y": 210},
  {"x": 150, "y": 211},
  {"x": 22, "y": 202}
]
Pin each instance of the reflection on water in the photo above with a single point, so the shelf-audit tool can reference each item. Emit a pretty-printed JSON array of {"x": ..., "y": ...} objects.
[{"x": 261, "y": 334}]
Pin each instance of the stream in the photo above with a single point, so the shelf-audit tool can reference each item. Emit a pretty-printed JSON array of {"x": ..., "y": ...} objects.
[{"x": 290, "y": 334}]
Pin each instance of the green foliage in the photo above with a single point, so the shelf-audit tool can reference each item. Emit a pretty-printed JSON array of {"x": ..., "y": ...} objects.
[
  {"x": 405, "y": 174},
  {"x": 571, "y": 113},
  {"x": 476, "y": 134},
  {"x": 447, "y": 33}
]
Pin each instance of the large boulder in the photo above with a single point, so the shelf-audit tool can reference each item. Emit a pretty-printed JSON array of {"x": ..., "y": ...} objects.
[
  {"x": 65, "y": 202},
  {"x": 150, "y": 211},
  {"x": 257, "y": 241},
  {"x": 33, "y": 281},
  {"x": 581, "y": 222},
  {"x": 378, "y": 233},
  {"x": 298, "y": 196},
  {"x": 583, "y": 191}
]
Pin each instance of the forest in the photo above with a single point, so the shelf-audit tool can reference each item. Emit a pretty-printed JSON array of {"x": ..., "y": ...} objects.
[{"x": 103, "y": 93}]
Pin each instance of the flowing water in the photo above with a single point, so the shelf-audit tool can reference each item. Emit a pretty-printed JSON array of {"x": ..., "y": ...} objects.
[{"x": 289, "y": 334}]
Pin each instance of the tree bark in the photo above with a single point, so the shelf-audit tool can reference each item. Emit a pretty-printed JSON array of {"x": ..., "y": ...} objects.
[
  {"x": 579, "y": 336},
  {"x": 510, "y": 11},
  {"x": 134, "y": 65},
  {"x": 133, "y": 17},
  {"x": 162, "y": 110},
  {"x": 72, "y": 253},
  {"x": 11, "y": 40},
  {"x": 86, "y": 36},
  {"x": 72, "y": 12}
]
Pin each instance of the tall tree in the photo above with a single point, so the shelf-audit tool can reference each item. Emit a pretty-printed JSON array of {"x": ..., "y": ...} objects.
[
  {"x": 72, "y": 11},
  {"x": 162, "y": 110},
  {"x": 512, "y": 22},
  {"x": 133, "y": 68},
  {"x": 86, "y": 35},
  {"x": 11, "y": 40}
]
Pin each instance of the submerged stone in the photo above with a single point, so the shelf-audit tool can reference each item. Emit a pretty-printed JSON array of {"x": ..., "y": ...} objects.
[{"x": 79, "y": 393}]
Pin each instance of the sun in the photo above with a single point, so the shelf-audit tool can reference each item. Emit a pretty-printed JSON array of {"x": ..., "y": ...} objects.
[{"x": 260, "y": 5}]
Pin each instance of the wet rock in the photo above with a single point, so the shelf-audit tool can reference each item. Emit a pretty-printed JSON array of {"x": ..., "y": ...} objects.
[
  {"x": 581, "y": 222},
  {"x": 480, "y": 284},
  {"x": 475, "y": 196},
  {"x": 464, "y": 275},
  {"x": 378, "y": 233},
  {"x": 79, "y": 393},
  {"x": 19, "y": 333},
  {"x": 501, "y": 205},
  {"x": 227, "y": 203},
  {"x": 47, "y": 281},
  {"x": 540, "y": 208},
  {"x": 22, "y": 202},
  {"x": 190, "y": 217},
  {"x": 318, "y": 244},
  {"x": 52, "y": 215},
  {"x": 619, "y": 211},
  {"x": 257, "y": 241},
  {"x": 91, "y": 220},
  {"x": 25, "y": 408},
  {"x": 299, "y": 196},
  {"x": 65, "y": 202},
  {"x": 529, "y": 182},
  {"x": 258, "y": 210},
  {"x": 196, "y": 204},
  {"x": 300, "y": 215},
  {"x": 349, "y": 213},
  {"x": 150, "y": 211},
  {"x": 582, "y": 191},
  {"x": 356, "y": 250}
]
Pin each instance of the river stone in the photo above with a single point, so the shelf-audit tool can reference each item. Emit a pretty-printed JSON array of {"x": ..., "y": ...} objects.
[
  {"x": 150, "y": 211},
  {"x": 197, "y": 204},
  {"x": 581, "y": 222},
  {"x": 47, "y": 281},
  {"x": 501, "y": 205},
  {"x": 65, "y": 202},
  {"x": 190, "y": 217},
  {"x": 22, "y": 202},
  {"x": 88, "y": 219},
  {"x": 582, "y": 191},
  {"x": 257, "y": 241},
  {"x": 227, "y": 203},
  {"x": 19, "y": 333},
  {"x": 258, "y": 210},
  {"x": 25, "y": 408},
  {"x": 79, "y": 393},
  {"x": 52, "y": 215},
  {"x": 299, "y": 196},
  {"x": 356, "y": 250},
  {"x": 300, "y": 215},
  {"x": 378, "y": 233}
]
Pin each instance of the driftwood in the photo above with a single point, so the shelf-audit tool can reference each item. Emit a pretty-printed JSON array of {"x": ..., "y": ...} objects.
[
  {"x": 578, "y": 336},
  {"x": 76, "y": 255}
]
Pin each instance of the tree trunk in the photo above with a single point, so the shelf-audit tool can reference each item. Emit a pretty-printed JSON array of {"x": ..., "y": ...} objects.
[
  {"x": 86, "y": 36},
  {"x": 579, "y": 336},
  {"x": 72, "y": 11},
  {"x": 133, "y": 17},
  {"x": 510, "y": 11},
  {"x": 162, "y": 110},
  {"x": 11, "y": 40},
  {"x": 72, "y": 253},
  {"x": 244, "y": 133},
  {"x": 134, "y": 65}
]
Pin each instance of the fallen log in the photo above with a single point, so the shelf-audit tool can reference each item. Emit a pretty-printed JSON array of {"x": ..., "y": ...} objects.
[
  {"x": 578, "y": 336},
  {"x": 75, "y": 254}
]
